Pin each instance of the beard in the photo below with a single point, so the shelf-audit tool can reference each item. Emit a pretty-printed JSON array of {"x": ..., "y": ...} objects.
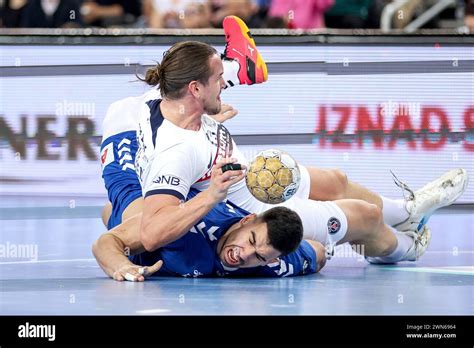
[{"x": 212, "y": 109}]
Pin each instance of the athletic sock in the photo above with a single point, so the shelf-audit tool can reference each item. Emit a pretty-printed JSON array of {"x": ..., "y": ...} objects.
[
  {"x": 231, "y": 70},
  {"x": 404, "y": 244},
  {"x": 394, "y": 211}
]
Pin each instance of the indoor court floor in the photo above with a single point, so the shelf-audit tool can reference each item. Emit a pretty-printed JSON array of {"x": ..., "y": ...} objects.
[{"x": 62, "y": 278}]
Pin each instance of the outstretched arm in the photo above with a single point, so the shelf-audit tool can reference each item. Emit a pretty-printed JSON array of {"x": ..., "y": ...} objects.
[
  {"x": 227, "y": 112},
  {"x": 113, "y": 247}
]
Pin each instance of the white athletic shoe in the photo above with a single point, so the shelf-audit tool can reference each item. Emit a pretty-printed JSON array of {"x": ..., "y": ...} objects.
[
  {"x": 437, "y": 194},
  {"x": 421, "y": 239}
]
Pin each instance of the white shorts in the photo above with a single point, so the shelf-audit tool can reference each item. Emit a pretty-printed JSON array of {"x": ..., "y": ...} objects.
[{"x": 321, "y": 220}]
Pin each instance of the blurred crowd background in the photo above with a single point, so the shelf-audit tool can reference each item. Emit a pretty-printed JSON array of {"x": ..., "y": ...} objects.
[{"x": 193, "y": 14}]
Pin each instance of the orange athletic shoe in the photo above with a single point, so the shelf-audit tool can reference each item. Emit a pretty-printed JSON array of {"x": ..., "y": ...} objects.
[{"x": 240, "y": 46}]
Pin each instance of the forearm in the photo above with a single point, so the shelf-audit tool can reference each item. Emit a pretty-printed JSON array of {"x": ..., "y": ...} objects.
[
  {"x": 174, "y": 221},
  {"x": 110, "y": 253},
  {"x": 320, "y": 251}
]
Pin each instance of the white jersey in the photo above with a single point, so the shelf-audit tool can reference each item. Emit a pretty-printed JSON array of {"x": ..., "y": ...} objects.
[
  {"x": 172, "y": 160},
  {"x": 123, "y": 115}
]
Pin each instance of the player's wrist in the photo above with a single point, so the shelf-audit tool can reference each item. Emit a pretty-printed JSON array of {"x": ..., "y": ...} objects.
[{"x": 210, "y": 197}]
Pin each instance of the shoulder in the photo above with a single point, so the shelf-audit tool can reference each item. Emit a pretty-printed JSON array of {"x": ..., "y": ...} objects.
[
  {"x": 175, "y": 149},
  {"x": 119, "y": 118},
  {"x": 122, "y": 115},
  {"x": 127, "y": 104}
]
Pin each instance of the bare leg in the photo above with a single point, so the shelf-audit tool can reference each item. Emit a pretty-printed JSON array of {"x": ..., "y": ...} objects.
[
  {"x": 332, "y": 184},
  {"x": 366, "y": 227}
]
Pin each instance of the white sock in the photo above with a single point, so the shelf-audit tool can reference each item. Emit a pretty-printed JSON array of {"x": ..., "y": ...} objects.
[
  {"x": 231, "y": 69},
  {"x": 394, "y": 211},
  {"x": 404, "y": 243}
]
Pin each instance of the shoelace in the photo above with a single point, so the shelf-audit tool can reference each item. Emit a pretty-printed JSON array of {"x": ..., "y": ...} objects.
[
  {"x": 420, "y": 238},
  {"x": 411, "y": 197},
  {"x": 404, "y": 187}
]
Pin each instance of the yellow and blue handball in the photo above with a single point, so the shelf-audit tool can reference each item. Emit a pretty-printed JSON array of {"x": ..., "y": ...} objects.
[{"x": 273, "y": 176}]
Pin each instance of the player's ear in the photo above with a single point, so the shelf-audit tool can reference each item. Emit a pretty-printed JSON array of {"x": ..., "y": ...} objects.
[
  {"x": 248, "y": 218},
  {"x": 193, "y": 87}
]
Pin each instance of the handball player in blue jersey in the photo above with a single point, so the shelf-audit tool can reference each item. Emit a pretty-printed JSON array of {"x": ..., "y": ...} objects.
[{"x": 226, "y": 242}]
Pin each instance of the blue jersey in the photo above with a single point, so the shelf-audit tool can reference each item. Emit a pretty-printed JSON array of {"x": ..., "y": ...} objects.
[
  {"x": 195, "y": 254},
  {"x": 118, "y": 171},
  {"x": 118, "y": 151}
]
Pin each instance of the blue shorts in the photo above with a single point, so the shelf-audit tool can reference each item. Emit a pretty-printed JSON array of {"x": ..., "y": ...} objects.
[{"x": 117, "y": 155}]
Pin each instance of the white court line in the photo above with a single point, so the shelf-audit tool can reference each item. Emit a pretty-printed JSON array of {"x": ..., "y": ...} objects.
[
  {"x": 153, "y": 311},
  {"x": 43, "y": 261},
  {"x": 92, "y": 259},
  {"x": 462, "y": 270},
  {"x": 450, "y": 252},
  {"x": 282, "y": 305}
]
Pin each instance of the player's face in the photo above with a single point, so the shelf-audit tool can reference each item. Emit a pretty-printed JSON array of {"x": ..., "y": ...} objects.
[
  {"x": 211, "y": 97},
  {"x": 247, "y": 245}
]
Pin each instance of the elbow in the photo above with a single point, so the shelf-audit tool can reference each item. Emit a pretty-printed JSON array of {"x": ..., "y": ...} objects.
[
  {"x": 95, "y": 248},
  {"x": 321, "y": 257},
  {"x": 99, "y": 246},
  {"x": 320, "y": 251},
  {"x": 321, "y": 261},
  {"x": 149, "y": 241}
]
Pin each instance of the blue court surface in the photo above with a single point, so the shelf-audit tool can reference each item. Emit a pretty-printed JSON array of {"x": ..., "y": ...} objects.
[{"x": 53, "y": 273}]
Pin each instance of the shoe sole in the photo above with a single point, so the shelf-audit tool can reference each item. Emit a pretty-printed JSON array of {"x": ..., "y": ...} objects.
[
  {"x": 260, "y": 63},
  {"x": 444, "y": 178}
]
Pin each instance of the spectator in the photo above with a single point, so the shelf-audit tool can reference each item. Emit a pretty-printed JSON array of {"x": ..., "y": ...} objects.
[
  {"x": 469, "y": 15},
  {"x": 409, "y": 10},
  {"x": 106, "y": 13},
  {"x": 51, "y": 14},
  {"x": 300, "y": 14},
  {"x": 146, "y": 12},
  {"x": 167, "y": 14},
  {"x": 275, "y": 23},
  {"x": 375, "y": 13},
  {"x": 262, "y": 14},
  {"x": 247, "y": 10},
  {"x": 348, "y": 14},
  {"x": 196, "y": 15},
  {"x": 11, "y": 12}
]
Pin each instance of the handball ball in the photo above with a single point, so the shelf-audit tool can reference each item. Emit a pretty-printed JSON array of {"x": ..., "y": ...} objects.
[{"x": 273, "y": 176}]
